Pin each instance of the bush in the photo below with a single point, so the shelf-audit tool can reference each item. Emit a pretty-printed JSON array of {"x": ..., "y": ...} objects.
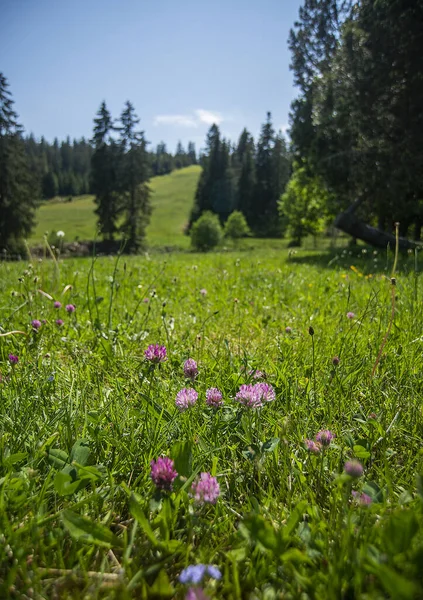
[
  {"x": 206, "y": 233},
  {"x": 236, "y": 226}
]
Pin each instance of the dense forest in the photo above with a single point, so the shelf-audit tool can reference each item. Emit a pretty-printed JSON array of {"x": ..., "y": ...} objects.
[
  {"x": 248, "y": 177},
  {"x": 63, "y": 168},
  {"x": 357, "y": 124}
]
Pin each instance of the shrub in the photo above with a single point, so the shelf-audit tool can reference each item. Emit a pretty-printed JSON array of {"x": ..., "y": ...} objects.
[
  {"x": 236, "y": 226},
  {"x": 206, "y": 233}
]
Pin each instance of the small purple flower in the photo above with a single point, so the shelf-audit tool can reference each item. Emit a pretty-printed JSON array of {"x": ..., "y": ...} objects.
[
  {"x": 185, "y": 398},
  {"x": 265, "y": 391},
  {"x": 57, "y": 304},
  {"x": 203, "y": 292},
  {"x": 256, "y": 374},
  {"x": 70, "y": 308},
  {"x": 325, "y": 437},
  {"x": 146, "y": 300},
  {"x": 163, "y": 473},
  {"x": 190, "y": 368},
  {"x": 248, "y": 396},
  {"x": 362, "y": 499},
  {"x": 155, "y": 353},
  {"x": 312, "y": 446},
  {"x": 353, "y": 468},
  {"x": 59, "y": 322},
  {"x": 194, "y": 574},
  {"x": 288, "y": 329},
  {"x": 196, "y": 594},
  {"x": 350, "y": 315},
  {"x": 214, "y": 397},
  {"x": 36, "y": 324},
  {"x": 13, "y": 359},
  {"x": 205, "y": 489}
]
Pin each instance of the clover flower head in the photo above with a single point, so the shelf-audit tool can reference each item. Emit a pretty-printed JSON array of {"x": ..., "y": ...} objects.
[
  {"x": 155, "y": 353},
  {"x": 190, "y": 368},
  {"x": 70, "y": 308},
  {"x": 163, "y": 473},
  {"x": 312, "y": 446},
  {"x": 361, "y": 498},
  {"x": 353, "y": 468},
  {"x": 214, "y": 397},
  {"x": 57, "y": 304},
  {"x": 13, "y": 359},
  {"x": 324, "y": 437},
  {"x": 185, "y": 398},
  {"x": 205, "y": 490},
  {"x": 36, "y": 324}
]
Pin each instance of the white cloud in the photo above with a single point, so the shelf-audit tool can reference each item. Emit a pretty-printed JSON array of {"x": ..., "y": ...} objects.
[
  {"x": 208, "y": 117},
  {"x": 199, "y": 117},
  {"x": 178, "y": 120}
]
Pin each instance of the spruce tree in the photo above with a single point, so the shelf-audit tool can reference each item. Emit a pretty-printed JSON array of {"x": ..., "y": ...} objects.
[
  {"x": 104, "y": 164},
  {"x": 17, "y": 189},
  {"x": 246, "y": 176},
  {"x": 265, "y": 210},
  {"x": 133, "y": 179}
]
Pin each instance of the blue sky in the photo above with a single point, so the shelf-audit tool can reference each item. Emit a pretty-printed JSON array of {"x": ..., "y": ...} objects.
[{"x": 183, "y": 64}]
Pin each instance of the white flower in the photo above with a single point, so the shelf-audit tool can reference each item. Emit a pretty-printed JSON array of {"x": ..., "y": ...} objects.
[{"x": 60, "y": 234}]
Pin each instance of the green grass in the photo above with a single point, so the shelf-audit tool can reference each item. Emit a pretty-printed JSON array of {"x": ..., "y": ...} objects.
[
  {"x": 172, "y": 200},
  {"x": 83, "y": 414}
]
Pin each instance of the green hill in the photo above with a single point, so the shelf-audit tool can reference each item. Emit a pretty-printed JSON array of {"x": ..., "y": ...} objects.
[{"x": 172, "y": 199}]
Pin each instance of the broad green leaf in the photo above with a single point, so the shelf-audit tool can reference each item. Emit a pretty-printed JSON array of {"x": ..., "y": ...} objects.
[
  {"x": 14, "y": 458},
  {"x": 181, "y": 454},
  {"x": 81, "y": 452},
  {"x": 57, "y": 458},
  {"x": 83, "y": 529},
  {"x": 270, "y": 445},
  {"x": 64, "y": 484},
  {"x": 361, "y": 452}
]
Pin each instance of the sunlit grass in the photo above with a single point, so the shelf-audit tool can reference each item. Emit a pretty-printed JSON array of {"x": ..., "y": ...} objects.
[{"x": 286, "y": 523}]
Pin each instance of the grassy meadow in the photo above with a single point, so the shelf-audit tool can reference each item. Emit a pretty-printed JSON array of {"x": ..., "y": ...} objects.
[
  {"x": 316, "y": 485},
  {"x": 172, "y": 199}
]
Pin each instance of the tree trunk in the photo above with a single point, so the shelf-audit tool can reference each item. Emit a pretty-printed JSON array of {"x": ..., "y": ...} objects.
[{"x": 348, "y": 222}]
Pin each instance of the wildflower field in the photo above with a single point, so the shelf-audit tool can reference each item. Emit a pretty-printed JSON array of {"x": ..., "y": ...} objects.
[{"x": 239, "y": 425}]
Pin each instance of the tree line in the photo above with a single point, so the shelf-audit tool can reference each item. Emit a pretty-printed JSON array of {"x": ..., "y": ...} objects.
[
  {"x": 114, "y": 165},
  {"x": 248, "y": 177},
  {"x": 357, "y": 123}
]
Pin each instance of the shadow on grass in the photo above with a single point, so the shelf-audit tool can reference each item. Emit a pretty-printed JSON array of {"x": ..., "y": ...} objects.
[{"x": 365, "y": 262}]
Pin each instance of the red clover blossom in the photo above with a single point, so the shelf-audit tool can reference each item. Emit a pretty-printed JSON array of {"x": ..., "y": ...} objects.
[
  {"x": 185, "y": 398},
  {"x": 214, "y": 397},
  {"x": 190, "y": 368},
  {"x": 325, "y": 437},
  {"x": 205, "y": 489},
  {"x": 163, "y": 473},
  {"x": 155, "y": 353}
]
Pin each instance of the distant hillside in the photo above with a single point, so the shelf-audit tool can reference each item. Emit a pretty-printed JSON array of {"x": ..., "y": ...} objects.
[{"x": 172, "y": 200}]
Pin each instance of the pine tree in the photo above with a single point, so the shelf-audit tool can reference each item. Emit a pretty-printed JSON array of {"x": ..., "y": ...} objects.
[
  {"x": 17, "y": 190},
  {"x": 133, "y": 179},
  {"x": 104, "y": 163},
  {"x": 246, "y": 177},
  {"x": 192, "y": 156},
  {"x": 216, "y": 187},
  {"x": 265, "y": 221}
]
